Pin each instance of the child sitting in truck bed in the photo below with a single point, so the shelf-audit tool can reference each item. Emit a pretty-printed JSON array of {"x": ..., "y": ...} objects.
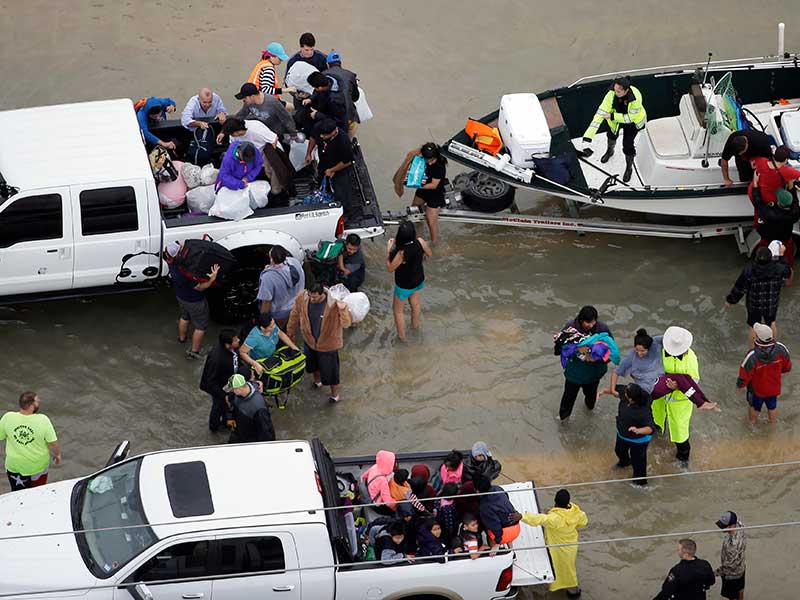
[
  {"x": 446, "y": 512},
  {"x": 376, "y": 479},
  {"x": 398, "y": 484},
  {"x": 389, "y": 546},
  {"x": 429, "y": 539},
  {"x": 474, "y": 539},
  {"x": 451, "y": 471}
]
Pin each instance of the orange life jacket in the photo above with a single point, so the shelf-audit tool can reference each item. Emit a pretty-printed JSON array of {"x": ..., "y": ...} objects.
[
  {"x": 139, "y": 104},
  {"x": 484, "y": 137},
  {"x": 254, "y": 75}
]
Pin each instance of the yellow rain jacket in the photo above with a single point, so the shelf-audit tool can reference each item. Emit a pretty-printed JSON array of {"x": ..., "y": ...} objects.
[
  {"x": 561, "y": 527},
  {"x": 634, "y": 112},
  {"x": 676, "y": 408}
]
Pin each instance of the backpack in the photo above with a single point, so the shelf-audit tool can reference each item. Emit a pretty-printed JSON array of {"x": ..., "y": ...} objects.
[
  {"x": 282, "y": 371},
  {"x": 200, "y": 151},
  {"x": 197, "y": 256}
]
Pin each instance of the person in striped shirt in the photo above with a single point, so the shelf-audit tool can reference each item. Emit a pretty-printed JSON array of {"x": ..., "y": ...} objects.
[{"x": 264, "y": 75}]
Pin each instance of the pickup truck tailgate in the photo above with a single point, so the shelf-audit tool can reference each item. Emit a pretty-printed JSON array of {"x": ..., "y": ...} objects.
[{"x": 531, "y": 567}]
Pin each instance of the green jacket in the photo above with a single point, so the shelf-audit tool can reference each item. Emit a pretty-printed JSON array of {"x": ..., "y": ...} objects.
[{"x": 635, "y": 113}]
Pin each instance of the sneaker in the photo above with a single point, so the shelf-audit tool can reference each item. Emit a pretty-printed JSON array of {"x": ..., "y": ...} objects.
[
  {"x": 334, "y": 399},
  {"x": 315, "y": 385},
  {"x": 281, "y": 404},
  {"x": 180, "y": 341},
  {"x": 192, "y": 355}
]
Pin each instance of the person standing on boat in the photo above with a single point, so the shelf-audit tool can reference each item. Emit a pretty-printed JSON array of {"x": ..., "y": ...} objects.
[
  {"x": 621, "y": 108},
  {"x": 744, "y": 146}
]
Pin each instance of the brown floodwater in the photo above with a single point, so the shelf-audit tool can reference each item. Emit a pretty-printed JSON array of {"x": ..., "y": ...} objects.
[{"x": 482, "y": 367}]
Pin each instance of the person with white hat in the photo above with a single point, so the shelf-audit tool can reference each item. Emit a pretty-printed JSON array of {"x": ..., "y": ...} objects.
[
  {"x": 192, "y": 302},
  {"x": 761, "y": 373},
  {"x": 675, "y": 408}
]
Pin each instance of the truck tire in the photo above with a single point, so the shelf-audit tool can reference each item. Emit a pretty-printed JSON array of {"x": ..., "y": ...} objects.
[
  {"x": 487, "y": 194},
  {"x": 236, "y": 301}
]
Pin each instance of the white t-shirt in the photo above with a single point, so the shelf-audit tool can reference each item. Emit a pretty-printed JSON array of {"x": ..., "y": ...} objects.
[{"x": 257, "y": 133}]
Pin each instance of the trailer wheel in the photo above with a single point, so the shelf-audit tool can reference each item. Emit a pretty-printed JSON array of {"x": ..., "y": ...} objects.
[{"x": 487, "y": 194}]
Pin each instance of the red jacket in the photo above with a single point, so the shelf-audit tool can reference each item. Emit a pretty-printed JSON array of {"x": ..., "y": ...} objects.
[{"x": 762, "y": 369}]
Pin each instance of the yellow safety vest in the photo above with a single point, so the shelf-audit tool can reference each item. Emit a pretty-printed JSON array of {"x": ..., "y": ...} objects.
[{"x": 635, "y": 114}]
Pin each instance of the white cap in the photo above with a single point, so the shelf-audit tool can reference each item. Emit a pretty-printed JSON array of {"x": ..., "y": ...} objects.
[
  {"x": 775, "y": 247},
  {"x": 677, "y": 340},
  {"x": 763, "y": 332}
]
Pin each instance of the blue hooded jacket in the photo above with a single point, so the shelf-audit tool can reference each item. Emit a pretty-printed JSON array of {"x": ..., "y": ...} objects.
[
  {"x": 495, "y": 510},
  {"x": 233, "y": 170},
  {"x": 428, "y": 544},
  {"x": 141, "y": 116}
]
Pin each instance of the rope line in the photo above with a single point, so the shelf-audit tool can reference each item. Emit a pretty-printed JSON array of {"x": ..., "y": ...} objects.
[
  {"x": 357, "y": 506},
  {"x": 443, "y": 558}
]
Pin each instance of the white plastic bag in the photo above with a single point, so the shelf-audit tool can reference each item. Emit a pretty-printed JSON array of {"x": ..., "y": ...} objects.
[
  {"x": 338, "y": 291},
  {"x": 297, "y": 154},
  {"x": 259, "y": 194},
  {"x": 191, "y": 175},
  {"x": 201, "y": 199},
  {"x": 362, "y": 108},
  {"x": 358, "y": 303},
  {"x": 208, "y": 174},
  {"x": 231, "y": 204},
  {"x": 297, "y": 76}
]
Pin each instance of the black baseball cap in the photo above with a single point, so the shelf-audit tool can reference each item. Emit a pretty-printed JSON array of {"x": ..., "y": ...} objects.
[
  {"x": 727, "y": 519},
  {"x": 248, "y": 89}
]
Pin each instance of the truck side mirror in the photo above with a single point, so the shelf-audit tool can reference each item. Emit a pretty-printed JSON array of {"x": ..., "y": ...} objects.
[{"x": 120, "y": 453}]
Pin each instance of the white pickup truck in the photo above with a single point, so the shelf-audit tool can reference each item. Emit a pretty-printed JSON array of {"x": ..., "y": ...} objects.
[
  {"x": 77, "y": 196},
  {"x": 232, "y": 522}
]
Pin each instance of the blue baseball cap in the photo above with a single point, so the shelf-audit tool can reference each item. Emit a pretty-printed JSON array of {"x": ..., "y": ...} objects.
[
  {"x": 276, "y": 49},
  {"x": 334, "y": 57}
]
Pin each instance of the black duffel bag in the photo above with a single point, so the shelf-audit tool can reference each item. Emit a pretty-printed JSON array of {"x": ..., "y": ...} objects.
[{"x": 197, "y": 256}]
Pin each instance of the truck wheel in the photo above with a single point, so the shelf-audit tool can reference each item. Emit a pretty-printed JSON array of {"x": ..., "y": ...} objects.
[
  {"x": 236, "y": 300},
  {"x": 487, "y": 194}
]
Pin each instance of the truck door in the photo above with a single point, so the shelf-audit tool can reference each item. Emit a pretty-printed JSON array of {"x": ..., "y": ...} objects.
[
  {"x": 36, "y": 243},
  {"x": 246, "y": 553},
  {"x": 184, "y": 559},
  {"x": 111, "y": 221}
]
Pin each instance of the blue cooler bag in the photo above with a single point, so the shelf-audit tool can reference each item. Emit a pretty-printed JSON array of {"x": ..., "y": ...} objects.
[{"x": 416, "y": 172}]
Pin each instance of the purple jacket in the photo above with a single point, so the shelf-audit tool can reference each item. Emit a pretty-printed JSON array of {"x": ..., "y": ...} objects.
[{"x": 232, "y": 170}]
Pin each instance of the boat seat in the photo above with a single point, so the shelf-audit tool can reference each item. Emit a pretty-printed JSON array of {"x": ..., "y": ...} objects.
[
  {"x": 667, "y": 137},
  {"x": 699, "y": 102}
]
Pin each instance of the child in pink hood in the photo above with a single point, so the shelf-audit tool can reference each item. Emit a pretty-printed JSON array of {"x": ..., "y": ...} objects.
[
  {"x": 377, "y": 480},
  {"x": 452, "y": 468}
]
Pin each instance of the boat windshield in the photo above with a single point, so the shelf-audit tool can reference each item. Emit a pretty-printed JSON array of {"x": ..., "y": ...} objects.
[{"x": 103, "y": 504}]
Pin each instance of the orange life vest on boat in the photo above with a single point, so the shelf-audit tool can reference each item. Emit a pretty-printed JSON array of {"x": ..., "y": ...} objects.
[{"x": 484, "y": 137}]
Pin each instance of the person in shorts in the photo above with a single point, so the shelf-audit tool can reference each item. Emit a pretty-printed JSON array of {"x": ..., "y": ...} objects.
[
  {"x": 321, "y": 321},
  {"x": 192, "y": 303},
  {"x": 431, "y": 194},
  {"x": 761, "y": 373},
  {"x": 30, "y": 441},
  {"x": 732, "y": 565}
]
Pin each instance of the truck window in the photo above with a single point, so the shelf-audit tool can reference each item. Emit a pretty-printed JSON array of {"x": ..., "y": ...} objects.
[
  {"x": 108, "y": 210},
  {"x": 31, "y": 218},
  {"x": 250, "y": 555},
  {"x": 189, "y": 559}
]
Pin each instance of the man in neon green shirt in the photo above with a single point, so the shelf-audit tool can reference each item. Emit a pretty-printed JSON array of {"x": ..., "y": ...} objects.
[{"x": 30, "y": 440}]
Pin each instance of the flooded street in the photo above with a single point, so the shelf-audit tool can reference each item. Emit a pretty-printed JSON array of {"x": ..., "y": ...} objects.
[{"x": 482, "y": 367}]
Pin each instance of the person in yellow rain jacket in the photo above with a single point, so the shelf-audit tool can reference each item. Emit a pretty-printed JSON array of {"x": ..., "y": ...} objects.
[
  {"x": 621, "y": 108},
  {"x": 561, "y": 525},
  {"x": 677, "y": 358}
]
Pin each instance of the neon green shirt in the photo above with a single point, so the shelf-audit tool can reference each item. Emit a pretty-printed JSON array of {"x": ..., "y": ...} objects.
[{"x": 27, "y": 436}]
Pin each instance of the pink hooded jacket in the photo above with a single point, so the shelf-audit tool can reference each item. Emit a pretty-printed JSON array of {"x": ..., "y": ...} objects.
[{"x": 377, "y": 479}]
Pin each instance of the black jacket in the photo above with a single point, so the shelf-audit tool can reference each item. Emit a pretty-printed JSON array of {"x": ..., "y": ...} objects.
[
  {"x": 253, "y": 421},
  {"x": 475, "y": 469},
  {"x": 774, "y": 222},
  {"x": 762, "y": 284},
  {"x": 348, "y": 88},
  {"x": 221, "y": 363},
  {"x": 688, "y": 580}
]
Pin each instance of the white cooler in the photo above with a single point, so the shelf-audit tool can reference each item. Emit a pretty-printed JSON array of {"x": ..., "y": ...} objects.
[
  {"x": 524, "y": 128},
  {"x": 790, "y": 130}
]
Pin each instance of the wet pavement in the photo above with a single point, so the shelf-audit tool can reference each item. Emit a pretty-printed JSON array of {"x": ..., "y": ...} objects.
[{"x": 482, "y": 367}]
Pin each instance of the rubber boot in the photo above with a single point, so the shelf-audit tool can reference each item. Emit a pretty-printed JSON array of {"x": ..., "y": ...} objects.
[
  {"x": 609, "y": 151},
  {"x": 626, "y": 176}
]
